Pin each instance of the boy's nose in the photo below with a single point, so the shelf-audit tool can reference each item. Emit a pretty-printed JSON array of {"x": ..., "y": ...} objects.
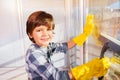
[{"x": 45, "y": 32}]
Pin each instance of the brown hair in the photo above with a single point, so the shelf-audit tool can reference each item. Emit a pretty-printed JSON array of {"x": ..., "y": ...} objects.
[{"x": 37, "y": 19}]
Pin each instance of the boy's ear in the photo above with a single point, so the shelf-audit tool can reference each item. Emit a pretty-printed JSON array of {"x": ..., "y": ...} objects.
[{"x": 30, "y": 35}]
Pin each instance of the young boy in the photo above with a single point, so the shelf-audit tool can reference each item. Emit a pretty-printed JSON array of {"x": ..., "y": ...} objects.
[{"x": 40, "y": 26}]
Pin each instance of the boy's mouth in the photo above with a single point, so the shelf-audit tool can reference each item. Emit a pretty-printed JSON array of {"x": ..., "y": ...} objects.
[{"x": 45, "y": 39}]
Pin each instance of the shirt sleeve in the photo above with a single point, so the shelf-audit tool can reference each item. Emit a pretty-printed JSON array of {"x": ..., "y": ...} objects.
[{"x": 59, "y": 47}]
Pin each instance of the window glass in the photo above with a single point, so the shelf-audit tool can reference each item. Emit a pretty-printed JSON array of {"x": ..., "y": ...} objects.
[{"x": 107, "y": 21}]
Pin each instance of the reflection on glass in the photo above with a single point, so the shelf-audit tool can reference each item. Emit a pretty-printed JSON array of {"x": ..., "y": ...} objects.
[
  {"x": 107, "y": 20},
  {"x": 107, "y": 17}
]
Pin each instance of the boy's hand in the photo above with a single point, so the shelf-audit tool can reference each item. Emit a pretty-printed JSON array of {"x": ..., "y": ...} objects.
[
  {"x": 96, "y": 67},
  {"x": 89, "y": 26}
]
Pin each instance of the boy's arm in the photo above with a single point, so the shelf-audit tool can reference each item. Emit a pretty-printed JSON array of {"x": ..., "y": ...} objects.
[
  {"x": 71, "y": 44},
  {"x": 71, "y": 75},
  {"x": 80, "y": 39}
]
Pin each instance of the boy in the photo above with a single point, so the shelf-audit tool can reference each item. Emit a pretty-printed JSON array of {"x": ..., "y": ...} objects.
[{"x": 40, "y": 26}]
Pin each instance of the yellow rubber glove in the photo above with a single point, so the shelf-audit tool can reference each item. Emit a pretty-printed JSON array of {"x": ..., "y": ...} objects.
[
  {"x": 94, "y": 68},
  {"x": 89, "y": 26}
]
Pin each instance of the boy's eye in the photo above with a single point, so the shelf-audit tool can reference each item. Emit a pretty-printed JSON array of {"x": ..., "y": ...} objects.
[
  {"x": 38, "y": 30},
  {"x": 49, "y": 29}
]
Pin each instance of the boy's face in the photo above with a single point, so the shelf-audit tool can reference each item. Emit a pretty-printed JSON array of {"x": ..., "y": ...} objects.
[{"x": 42, "y": 35}]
